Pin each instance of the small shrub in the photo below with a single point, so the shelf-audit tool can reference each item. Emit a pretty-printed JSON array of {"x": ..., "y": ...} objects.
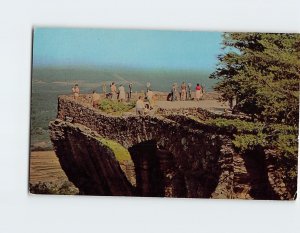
[{"x": 65, "y": 188}]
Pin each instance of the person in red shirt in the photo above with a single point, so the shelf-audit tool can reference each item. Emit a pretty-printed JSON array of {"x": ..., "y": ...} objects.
[{"x": 198, "y": 92}]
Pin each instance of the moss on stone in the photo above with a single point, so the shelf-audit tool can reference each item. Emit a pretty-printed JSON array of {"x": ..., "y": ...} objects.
[{"x": 121, "y": 153}]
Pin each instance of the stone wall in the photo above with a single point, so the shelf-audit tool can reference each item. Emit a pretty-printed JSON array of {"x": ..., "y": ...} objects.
[{"x": 173, "y": 155}]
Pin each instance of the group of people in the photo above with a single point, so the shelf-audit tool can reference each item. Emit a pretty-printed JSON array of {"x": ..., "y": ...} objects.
[
  {"x": 186, "y": 92},
  {"x": 142, "y": 107},
  {"x": 118, "y": 93},
  {"x": 115, "y": 93},
  {"x": 95, "y": 96}
]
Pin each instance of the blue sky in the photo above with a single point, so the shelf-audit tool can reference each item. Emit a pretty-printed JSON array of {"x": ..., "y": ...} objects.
[{"x": 143, "y": 49}]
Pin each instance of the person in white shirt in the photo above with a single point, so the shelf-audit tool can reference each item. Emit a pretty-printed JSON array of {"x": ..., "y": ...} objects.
[
  {"x": 113, "y": 90},
  {"x": 150, "y": 97},
  {"x": 140, "y": 106},
  {"x": 121, "y": 93}
]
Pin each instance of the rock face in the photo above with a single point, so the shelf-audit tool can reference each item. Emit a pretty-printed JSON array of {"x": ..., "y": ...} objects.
[
  {"x": 173, "y": 156},
  {"x": 87, "y": 162}
]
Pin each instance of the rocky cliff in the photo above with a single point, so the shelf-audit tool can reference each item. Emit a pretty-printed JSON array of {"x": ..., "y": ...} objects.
[{"x": 171, "y": 156}]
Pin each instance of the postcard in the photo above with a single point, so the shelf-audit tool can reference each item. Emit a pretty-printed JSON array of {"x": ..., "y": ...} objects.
[{"x": 158, "y": 113}]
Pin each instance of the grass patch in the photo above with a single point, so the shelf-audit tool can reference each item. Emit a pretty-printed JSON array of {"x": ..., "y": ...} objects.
[
  {"x": 115, "y": 107},
  {"x": 121, "y": 153}
]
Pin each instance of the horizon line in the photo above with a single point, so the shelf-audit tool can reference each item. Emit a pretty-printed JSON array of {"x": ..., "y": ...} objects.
[{"x": 111, "y": 67}]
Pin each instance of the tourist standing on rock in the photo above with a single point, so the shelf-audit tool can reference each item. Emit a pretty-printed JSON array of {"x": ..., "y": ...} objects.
[
  {"x": 121, "y": 93},
  {"x": 198, "y": 92},
  {"x": 150, "y": 98},
  {"x": 183, "y": 91},
  {"x": 76, "y": 91},
  {"x": 174, "y": 92},
  {"x": 189, "y": 94},
  {"x": 113, "y": 91},
  {"x": 140, "y": 106},
  {"x": 130, "y": 91},
  {"x": 95, "y": 99}
]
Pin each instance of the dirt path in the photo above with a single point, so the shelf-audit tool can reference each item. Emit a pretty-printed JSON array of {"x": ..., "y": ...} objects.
[
  {"x": 45, "y": 167},
  {"x": 211, "y": 105}
]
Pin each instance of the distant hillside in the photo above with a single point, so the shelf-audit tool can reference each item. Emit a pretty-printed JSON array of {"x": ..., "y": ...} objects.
[{"x": 161, "y": 80}]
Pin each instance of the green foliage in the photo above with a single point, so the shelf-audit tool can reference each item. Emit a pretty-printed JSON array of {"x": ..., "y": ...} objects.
[
  {"x": 287, "y": 144},
  {"x": 115, "y": 107},
  {"x": 262, "y": 71},
  {"x": 65, "y": 188},
  {"x": 249, "y": 141},
  {"x": 250, "y": 135},
  {"x": 121, "y": 153},
  {"x": 238, "y": 125}
]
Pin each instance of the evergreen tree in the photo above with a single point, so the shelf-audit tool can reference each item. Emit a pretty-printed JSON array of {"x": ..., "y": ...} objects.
[{"x": 262, "y": 71}]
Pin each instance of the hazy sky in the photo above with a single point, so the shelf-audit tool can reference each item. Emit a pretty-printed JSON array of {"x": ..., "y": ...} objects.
[{"x": 126, "y": 48}]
